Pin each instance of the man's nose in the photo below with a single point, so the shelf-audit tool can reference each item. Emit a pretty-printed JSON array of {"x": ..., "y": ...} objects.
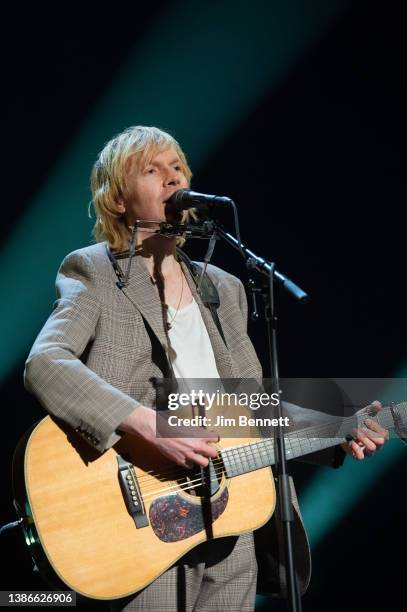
[{"x": 172, "y": 177}]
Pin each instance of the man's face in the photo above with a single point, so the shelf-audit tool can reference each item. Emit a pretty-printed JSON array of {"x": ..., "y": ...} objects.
[{"x": 150, "y": 187}]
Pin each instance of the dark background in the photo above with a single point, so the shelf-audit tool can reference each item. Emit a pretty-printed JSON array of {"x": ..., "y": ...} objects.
[{"x": 318, "y": 171}]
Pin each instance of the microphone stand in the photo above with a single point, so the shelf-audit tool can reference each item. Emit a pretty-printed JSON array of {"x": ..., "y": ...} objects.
[
  {"x": 213, "y": 230},
  {"x": 284, "y": 492}
]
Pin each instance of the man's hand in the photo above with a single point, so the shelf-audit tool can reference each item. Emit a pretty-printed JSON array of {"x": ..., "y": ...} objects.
[
  {"x": 368, "y": 438},
  {"x": 185, "y": 452}
]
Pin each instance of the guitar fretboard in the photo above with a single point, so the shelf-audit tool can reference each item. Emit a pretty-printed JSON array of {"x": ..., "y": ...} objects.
[{"x": 253, "y": 456}]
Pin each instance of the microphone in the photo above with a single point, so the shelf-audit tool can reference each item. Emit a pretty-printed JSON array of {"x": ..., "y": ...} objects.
[{"x": 185, "y": 198}]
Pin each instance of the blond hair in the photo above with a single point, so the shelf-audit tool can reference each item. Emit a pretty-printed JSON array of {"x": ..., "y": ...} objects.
[{"x": 109, "y": 174}]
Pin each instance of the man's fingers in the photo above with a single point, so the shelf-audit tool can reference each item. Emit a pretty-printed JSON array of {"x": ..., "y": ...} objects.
[
  {"x": 374, "y": 407},
  {"x": 368, "y": 438},
  {"x": 198, "y": 454},
  {"x": 356, "y": 450},
  {"x": 198, "y": 459},
  {"x": 364, "y": 440},
  {"x": 366, "y": 444},
  {"x": 375, "y": 427},
  {"x": 208, "y": 450}
]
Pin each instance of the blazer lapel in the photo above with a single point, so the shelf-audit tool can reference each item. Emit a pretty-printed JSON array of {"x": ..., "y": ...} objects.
[{"x": 142, "y": 292}]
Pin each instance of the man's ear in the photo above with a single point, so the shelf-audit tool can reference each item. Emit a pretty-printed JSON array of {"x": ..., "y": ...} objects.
[{"x": 121, "y": 207}]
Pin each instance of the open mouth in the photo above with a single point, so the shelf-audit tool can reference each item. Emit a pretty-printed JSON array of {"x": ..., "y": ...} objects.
[{"x": 172, "y": 215}]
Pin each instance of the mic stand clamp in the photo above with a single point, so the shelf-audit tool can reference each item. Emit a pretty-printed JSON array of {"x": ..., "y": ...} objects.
[{"x": 254, "y": 291}]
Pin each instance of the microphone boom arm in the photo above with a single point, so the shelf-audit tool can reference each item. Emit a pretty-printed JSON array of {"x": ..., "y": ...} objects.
[{"x": 255, "y": 262}]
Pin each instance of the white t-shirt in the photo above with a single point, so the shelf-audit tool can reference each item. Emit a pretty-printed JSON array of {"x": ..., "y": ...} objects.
[{"x": 191, "y": 352}]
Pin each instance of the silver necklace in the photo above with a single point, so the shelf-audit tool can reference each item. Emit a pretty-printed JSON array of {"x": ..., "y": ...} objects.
[{"x": 169, "y": 323}]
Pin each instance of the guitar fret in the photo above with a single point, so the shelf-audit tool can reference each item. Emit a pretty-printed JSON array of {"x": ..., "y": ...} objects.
[
  {"x": 251, "y": 460},
  {"x": 289, "y": 447},
  {"x": 249, "y": 457}
]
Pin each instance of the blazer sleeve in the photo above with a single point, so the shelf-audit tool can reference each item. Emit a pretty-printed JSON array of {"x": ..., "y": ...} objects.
[{"x": 54, "y": 372}]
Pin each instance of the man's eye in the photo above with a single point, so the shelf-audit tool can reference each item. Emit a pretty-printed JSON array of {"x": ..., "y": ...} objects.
[{"x": 150, "y": 170}]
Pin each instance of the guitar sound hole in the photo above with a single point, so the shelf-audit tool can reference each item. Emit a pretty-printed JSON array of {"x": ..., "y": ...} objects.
[{"x": 202, "y": 482}]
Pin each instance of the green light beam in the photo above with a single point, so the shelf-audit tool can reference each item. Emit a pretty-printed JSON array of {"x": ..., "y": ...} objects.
[
  {"x": 332, "y": 494},
  {"x": 200, "y": 68}
]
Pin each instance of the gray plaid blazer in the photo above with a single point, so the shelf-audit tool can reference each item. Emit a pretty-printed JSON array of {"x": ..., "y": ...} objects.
[{"x": 92, "y": 363}]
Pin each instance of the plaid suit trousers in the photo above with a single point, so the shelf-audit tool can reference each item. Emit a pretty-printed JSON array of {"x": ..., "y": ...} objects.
[{"x": 217, "y": 576}]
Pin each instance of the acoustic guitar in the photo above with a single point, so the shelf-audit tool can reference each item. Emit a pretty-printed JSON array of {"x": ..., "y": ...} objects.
[{"x": 106, "y": 525}]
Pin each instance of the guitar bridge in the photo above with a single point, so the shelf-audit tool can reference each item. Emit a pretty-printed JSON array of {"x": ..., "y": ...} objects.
[{"x": 131, "y": 492}]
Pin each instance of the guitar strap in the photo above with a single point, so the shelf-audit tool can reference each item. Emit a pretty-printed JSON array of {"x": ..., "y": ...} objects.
[{"x": 206, "y": 288}]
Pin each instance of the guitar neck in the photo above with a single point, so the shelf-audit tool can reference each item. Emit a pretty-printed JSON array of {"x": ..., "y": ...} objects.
[{"x": 254, "y": 456}]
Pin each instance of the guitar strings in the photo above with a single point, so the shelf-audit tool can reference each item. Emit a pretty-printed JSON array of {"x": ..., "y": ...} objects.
[
  {"x": 201, "y": 480},
  {"x": 216, "y": 463},
  {"x": 261, "y": 452},
  {"x": 189, "y": 484},
  {"x": 265, "y": 451},
  {"x": 294, "y": 443}
]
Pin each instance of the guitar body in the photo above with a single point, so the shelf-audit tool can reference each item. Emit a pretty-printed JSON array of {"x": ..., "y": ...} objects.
[{"x": 85, "y": 530}]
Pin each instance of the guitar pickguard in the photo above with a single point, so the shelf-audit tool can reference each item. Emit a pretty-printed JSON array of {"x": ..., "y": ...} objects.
[{"x": 174, "y": 518}]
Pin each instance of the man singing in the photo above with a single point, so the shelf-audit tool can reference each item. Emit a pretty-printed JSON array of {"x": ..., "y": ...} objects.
[{"x": 123, "y": 319}]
